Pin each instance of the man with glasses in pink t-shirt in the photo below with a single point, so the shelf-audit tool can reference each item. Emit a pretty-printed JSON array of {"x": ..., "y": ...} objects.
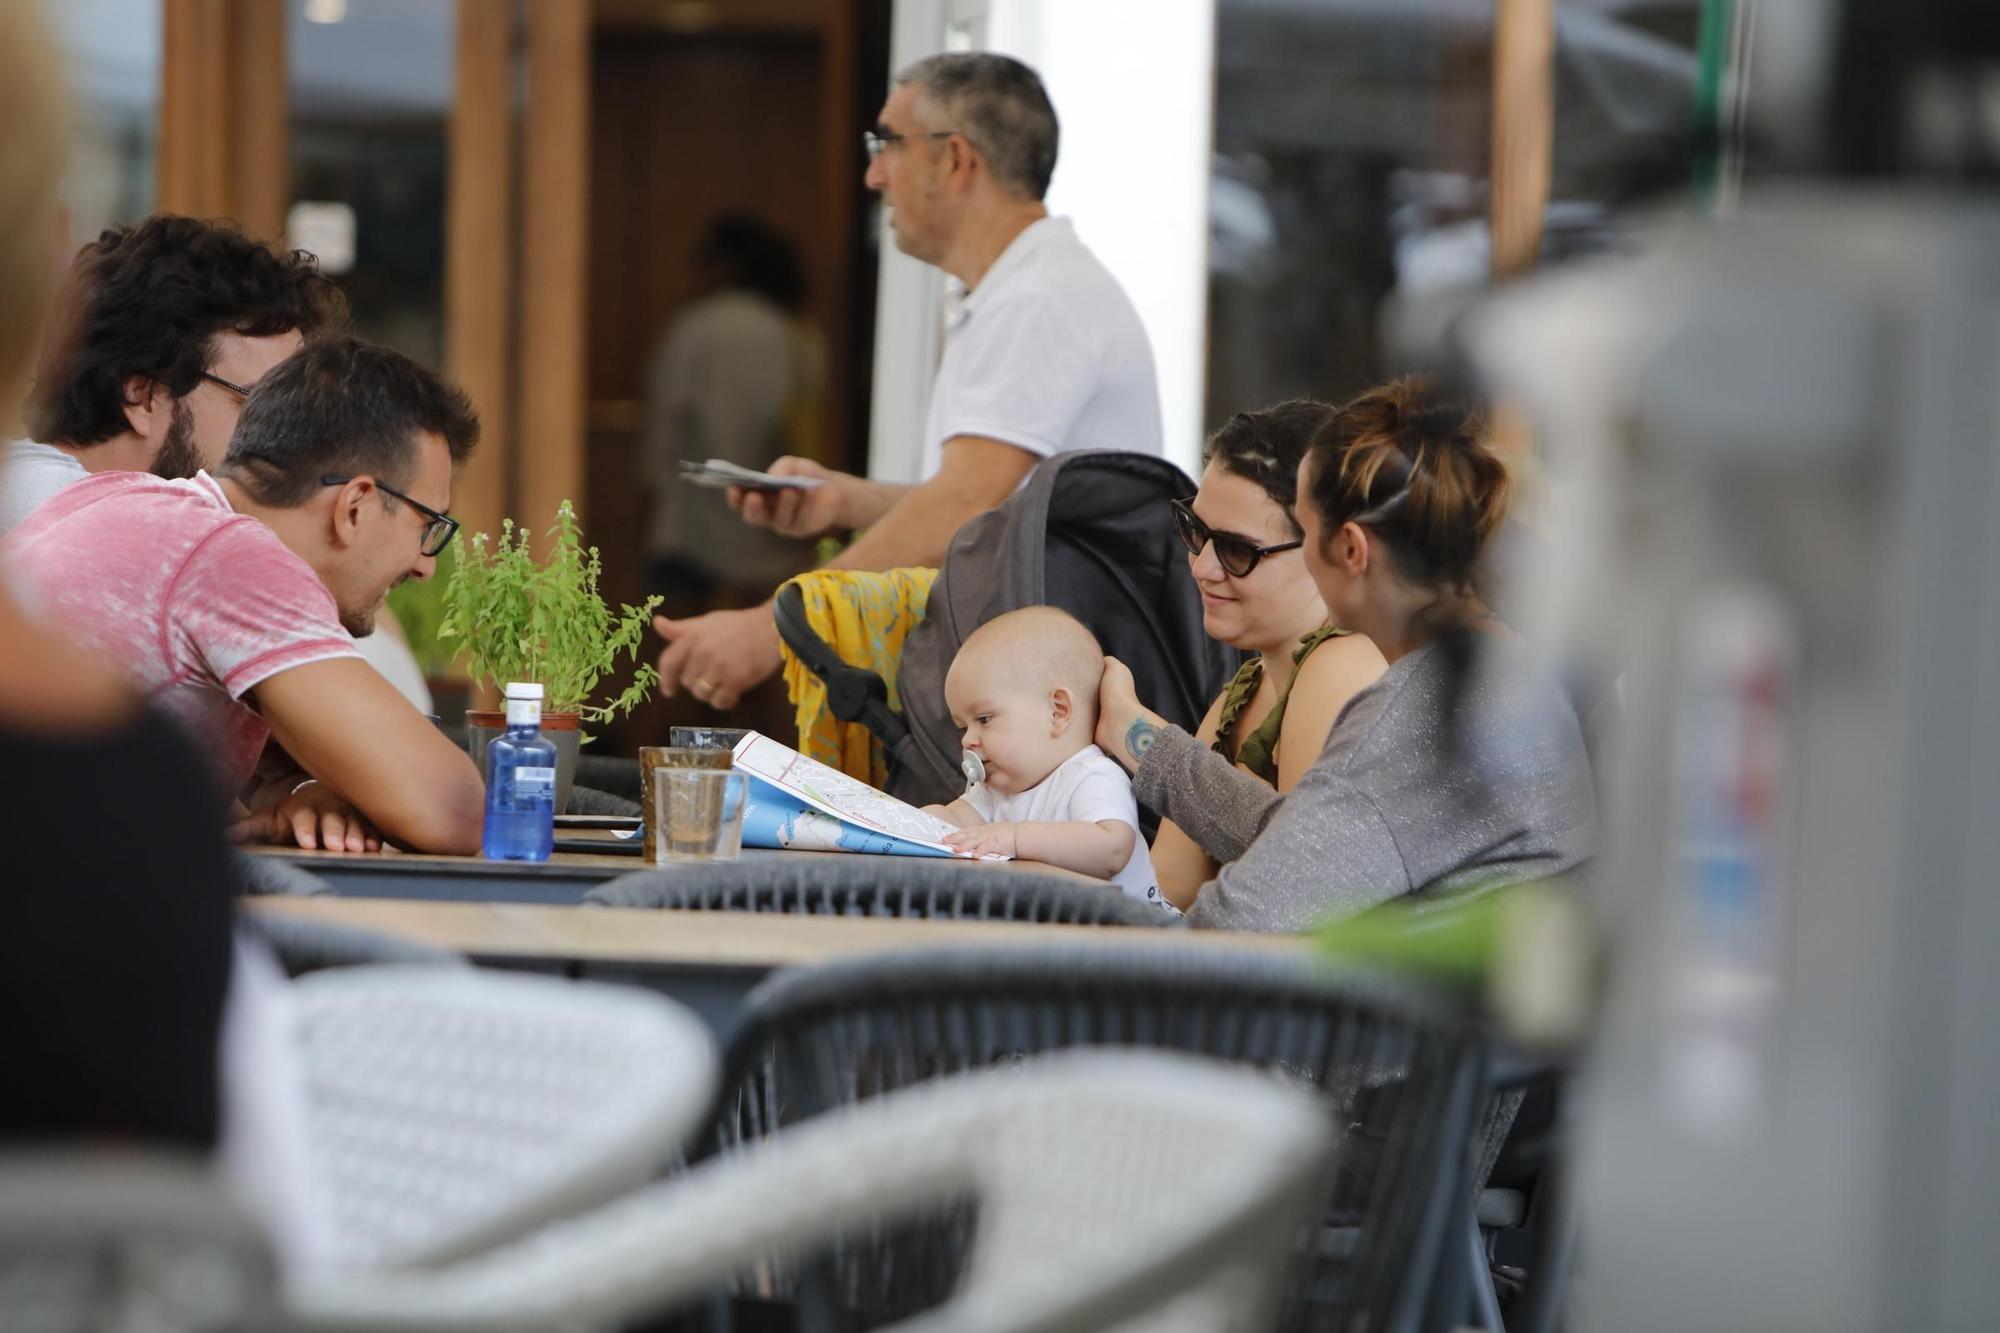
[{"x": 229, "y": 598}]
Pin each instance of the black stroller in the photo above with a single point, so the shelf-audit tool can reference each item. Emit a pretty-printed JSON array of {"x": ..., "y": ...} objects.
[{"x": 1089, "y": 533}]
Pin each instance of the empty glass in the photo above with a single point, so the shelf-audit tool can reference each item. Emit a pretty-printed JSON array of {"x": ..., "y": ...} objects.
[
  {"x": 656, "y": 759},
  {"x": 697, "y": 814}
]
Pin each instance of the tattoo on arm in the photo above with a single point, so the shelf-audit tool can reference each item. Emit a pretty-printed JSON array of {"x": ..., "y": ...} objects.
[{"x": 1139, "y": 738}]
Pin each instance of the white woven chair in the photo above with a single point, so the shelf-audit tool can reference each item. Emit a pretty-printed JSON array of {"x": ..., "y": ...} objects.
[
  {"x": 1114, "y": 1189},
  {"x": 104, "y": 1239},
  {"x": 450, "y": 1110}
]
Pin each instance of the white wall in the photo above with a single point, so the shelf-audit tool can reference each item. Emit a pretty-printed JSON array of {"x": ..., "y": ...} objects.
[
  {"x": 1133, "y": 86},
  {"x": 909, "y": 296},
  {"x": 1134, "y": 89}
]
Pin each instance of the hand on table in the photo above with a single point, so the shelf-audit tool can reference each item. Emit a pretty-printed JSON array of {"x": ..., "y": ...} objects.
[
  {"x": 795, "y": 513},
  {"x": 984, "y": 840},
  {"x": 1126, "y": 728},
  {"x": 313, "y": 816},
  {"x": 718, "y": 657}
]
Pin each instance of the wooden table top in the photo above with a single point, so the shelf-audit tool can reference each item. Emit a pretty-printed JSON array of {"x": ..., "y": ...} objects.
[
  {"x": 758, "y": 941},
  {"x": 612, "y": 864}
]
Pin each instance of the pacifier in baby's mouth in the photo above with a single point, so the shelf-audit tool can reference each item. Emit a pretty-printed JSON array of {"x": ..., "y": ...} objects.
[{"x": 973, "y": 768}]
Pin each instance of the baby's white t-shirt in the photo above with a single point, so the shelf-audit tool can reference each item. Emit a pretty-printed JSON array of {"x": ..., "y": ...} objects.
[{"x": 1089, "y": 786}]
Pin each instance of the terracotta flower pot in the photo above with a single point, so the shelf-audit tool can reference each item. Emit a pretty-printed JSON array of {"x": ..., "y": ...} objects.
[{"x": 482, "y": 725}]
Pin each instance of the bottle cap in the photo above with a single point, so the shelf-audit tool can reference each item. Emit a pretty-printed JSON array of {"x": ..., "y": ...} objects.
[{"x": 523, "y": 690}]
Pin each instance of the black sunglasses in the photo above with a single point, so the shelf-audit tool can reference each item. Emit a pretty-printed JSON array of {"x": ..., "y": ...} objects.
[
  {"x": 438, "y": 530},
  {"x": 1237, "y": 554}
]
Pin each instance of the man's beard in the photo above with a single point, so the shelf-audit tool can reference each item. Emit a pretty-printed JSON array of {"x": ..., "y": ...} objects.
[
  {"x": 360, "y": 623},
  {"x": 177, "y": 456}
]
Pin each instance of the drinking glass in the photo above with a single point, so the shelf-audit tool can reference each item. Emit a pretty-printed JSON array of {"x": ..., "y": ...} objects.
[
  {"x": 657, "y": 759},
  {"x": 699, "y": 814}
]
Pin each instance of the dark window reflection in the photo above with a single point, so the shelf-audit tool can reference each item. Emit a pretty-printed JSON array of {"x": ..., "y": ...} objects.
[
  {"x": 113, "y": 49},
  {"x": 370, "y": 100},
  {"x": 1348, "y": 208}
]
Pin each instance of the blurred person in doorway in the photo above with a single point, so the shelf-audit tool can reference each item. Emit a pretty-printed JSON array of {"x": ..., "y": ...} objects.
[
  {"x": 1044, "y": 353},
  {"x": 740, "y": 376}
]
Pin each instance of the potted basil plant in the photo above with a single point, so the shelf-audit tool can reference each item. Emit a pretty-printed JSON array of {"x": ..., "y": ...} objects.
[{"x": 543, "y": 622}]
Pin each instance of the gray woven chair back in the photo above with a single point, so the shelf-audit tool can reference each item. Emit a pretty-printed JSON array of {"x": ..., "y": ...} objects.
[
  {"x": 1399, "y": 1070},
  {"x": 274, "y": 876},
  {"x": 304, "y": 945},
  {"x": 590, "y": 801},
  {"x": 451, "y": 1109},
  {"x": 612, "y": 774},
  {"x": 127, "y": 1240},
  {"x": 1129, "y": 1190},
  {"x": 910, "y": 887}
]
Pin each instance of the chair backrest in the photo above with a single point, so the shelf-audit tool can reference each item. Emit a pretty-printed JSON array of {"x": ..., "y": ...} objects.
[
  {"x": 451, "y": 1109},
  {"x": 590, "y": 801},
  {"x": 1090, "y": 533},
  {"x": 1401, "y": 1072},
  {"x": 909, "y": 887},
  {"x": 1129, "y": 1190},
  {"x": 266, "y": 875},
  {"x": 127, "y": 1239},
  {"x": 1103, "y": 1179}
]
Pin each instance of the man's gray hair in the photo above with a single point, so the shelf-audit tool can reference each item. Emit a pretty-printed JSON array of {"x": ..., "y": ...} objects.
[{"x": 1000, "y": 105}]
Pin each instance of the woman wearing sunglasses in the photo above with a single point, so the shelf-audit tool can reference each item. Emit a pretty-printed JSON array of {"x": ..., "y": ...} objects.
[
  {"x": 1256, "y": 595},
  {"x": 1456, "y": 770}
]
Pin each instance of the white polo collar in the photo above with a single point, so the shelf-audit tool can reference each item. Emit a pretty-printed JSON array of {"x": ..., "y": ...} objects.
[{"x": 1036, "y": 236}]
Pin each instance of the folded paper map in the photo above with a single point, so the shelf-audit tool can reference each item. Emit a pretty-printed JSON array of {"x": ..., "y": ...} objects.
[{"x": 801, "y": 804}]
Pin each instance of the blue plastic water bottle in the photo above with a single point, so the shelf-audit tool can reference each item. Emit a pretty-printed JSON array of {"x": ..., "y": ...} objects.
[{"x": 521, "y": 783}]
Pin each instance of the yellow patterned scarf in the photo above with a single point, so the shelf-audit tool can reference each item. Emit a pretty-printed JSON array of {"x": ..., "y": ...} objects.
[{"x": 864, "y": 617}]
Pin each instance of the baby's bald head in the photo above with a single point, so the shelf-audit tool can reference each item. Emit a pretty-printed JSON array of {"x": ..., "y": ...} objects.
[{"x": 1039, "y": 648}]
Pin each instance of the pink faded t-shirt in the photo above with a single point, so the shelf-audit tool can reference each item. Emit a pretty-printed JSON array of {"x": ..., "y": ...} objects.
[{"x": 195, "y": 603}]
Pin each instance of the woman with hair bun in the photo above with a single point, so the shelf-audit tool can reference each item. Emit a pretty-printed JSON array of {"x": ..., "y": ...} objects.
[
  {"x": 1244, "y": 553},
  {"x": 1454, "y": 771}
]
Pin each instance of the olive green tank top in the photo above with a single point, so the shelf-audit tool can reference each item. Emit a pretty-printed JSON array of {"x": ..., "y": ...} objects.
[{"x": 1259, "y": 751}]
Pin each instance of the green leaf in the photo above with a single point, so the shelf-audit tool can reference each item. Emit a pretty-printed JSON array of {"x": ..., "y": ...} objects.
[{"x": 545, "y": 621}]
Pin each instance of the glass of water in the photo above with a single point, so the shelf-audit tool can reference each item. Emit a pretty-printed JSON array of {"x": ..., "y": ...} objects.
[
  {"x": 698, "y": 813},
  {"x": 655, "y": 760}
]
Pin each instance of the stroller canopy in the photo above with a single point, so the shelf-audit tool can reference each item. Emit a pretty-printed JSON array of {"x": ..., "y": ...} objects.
[{"x": 1089, "y": 533}]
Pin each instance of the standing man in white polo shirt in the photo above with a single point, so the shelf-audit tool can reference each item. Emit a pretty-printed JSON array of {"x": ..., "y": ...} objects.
[{"x": 1044, "y": 353}]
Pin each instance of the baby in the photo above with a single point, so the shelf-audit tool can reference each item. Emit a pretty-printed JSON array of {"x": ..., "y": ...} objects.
[{"x": 1023, "y": 689}]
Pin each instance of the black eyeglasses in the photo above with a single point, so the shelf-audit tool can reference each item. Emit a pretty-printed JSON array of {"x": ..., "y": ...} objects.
[
  {"x": 876, "y": 140},
  {"x": 1237, "y": 554},
  {"x": 239, "y": 390},
  {"x": 438, "y": 530}
]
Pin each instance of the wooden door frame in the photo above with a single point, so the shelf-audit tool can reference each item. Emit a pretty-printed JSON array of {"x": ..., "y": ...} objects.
[
  {"x": 1524, "y": 46},
  {"x": 223, "y": 113}
]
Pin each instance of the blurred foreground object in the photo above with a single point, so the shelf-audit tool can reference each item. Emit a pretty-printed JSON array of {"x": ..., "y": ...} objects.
[
  {"x": 1404, "y": 1074},
  {"x": 1775, "y": 549},
  {"x": 1111, "y": 1186},
  {"x": 128, "y": 1240}
]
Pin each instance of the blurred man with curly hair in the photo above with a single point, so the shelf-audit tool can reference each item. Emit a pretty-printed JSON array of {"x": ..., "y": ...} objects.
[{"x": 161, "y": 331}]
